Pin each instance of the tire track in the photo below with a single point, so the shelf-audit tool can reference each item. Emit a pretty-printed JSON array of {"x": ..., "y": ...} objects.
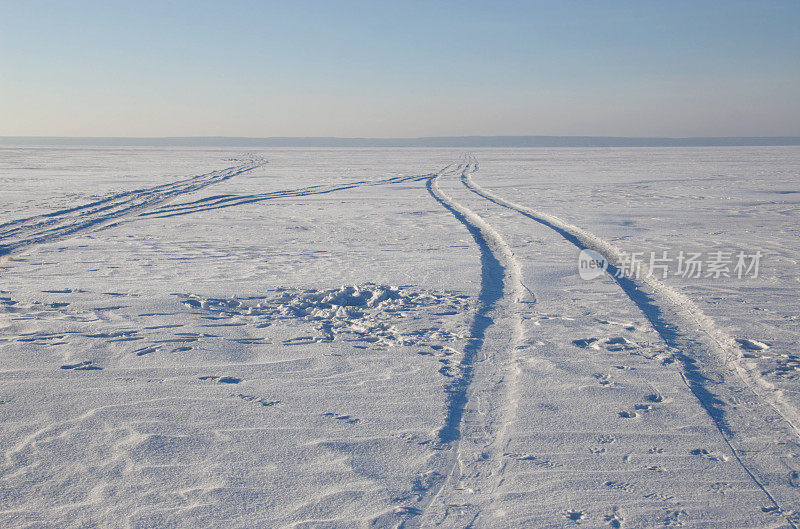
[
  {"x": 472, "y": 436},
  {"x": 22, "y": 233},
  {"x": 227, "y": 201},
  {"x": 18, "y": 234},
  {"x": 706, "y": 352}
]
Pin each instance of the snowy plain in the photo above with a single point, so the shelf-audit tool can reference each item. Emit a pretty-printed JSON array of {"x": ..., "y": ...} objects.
[{"x": 396, "y": 338}]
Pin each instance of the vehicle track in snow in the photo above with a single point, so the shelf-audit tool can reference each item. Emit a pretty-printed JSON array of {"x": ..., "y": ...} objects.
[
  {"x": 228, "y": 201},
  {"x": 480, "y": 400},
  {"x": 707, "y": 355},
  {"x": 143, "y": 203},
  {"x": 22, "y": 233}
]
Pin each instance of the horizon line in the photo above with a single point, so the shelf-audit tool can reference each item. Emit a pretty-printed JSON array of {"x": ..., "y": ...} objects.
[{"x": 476, "y": 141}]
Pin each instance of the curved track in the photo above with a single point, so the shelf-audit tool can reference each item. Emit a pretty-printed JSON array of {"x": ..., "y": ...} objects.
[
  {"x": 22, "y": 233},
  {"x": 713, "y": 368}
]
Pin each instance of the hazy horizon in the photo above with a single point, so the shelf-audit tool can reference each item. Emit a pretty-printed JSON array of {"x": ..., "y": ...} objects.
[
  {"x": 385, "y": 70},
  {"x": 466, "y": 142}
]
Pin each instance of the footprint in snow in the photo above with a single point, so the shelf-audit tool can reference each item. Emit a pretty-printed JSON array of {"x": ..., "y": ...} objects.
[
  {"x": 708, "y": 454},
  {"x": 619, "y": 343},
  {"x": 620, "y": 486},
  {"x": 146, "y": 351},
  {"x": 535, "y": 460},
  {"x": 258, "y": 400},
  {"x": 406, "y": 510},
  {"x": 751, "y": 345},
  {"x": 584, "y": 343},
  {"x": 82, "y": 366},
  {"x": 346, "y": 418},
  {"x": 674, "y": 518},
  {"x": 221, "y": 380},
  {"x": 720, "y": 487},
  {"x": 657, "y": 496},
  {"x": 603, "y": 380},
  {"x": 614, "y": 519},
  {"x": 637, "y": 408}
]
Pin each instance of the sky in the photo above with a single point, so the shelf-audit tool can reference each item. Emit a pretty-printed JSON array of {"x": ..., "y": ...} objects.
[{"x": 399, "y": 68}]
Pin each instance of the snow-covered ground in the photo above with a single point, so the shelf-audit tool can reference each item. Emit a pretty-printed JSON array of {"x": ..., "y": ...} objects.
[{"x": 397, "y": 337}]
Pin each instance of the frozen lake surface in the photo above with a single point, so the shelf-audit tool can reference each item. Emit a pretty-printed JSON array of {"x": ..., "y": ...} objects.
[{"x": 399, "y": 337}]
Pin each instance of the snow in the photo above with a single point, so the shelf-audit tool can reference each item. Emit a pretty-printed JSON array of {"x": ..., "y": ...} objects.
[{"x": 294, "y": 337}]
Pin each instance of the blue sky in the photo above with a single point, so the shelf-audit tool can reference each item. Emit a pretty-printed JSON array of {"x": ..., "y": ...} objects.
[{"x": 392, "y": 69}]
